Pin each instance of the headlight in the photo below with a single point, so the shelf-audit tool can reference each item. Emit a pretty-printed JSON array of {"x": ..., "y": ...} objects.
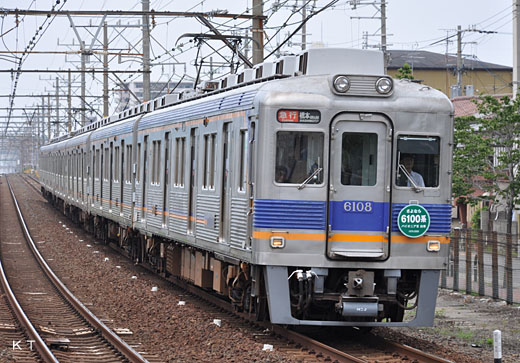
[
  {"x": 341, "y": 84},
  {"x": 384, "y": 85},
  {"x": 433, "y": 246}
]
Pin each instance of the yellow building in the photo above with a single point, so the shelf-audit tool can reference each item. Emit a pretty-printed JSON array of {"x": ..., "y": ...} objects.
[{"x": 439, "y": 71}]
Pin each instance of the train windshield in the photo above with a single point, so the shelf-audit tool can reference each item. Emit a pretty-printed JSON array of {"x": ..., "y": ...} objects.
[
  {"x": 298, "y": 156},
  {"x": 359, "y": 159},
  {"x": 417, "y": 161}
]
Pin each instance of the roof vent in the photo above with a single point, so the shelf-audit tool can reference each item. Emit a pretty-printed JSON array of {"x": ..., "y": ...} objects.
[
  {"x": 185, "y": 94},
  {"x": 229, "y": 81},
  {"x": 209, "y": 86},
  {"x": 246, "y": 76},
  {"x": 264, "y": 70},
  {"x": 165, "y": 101},
  {"x": 286, "y": 66}
]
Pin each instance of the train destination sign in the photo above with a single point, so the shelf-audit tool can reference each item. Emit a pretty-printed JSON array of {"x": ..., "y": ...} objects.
[
  {"x": 413, "y": 220},
  {"x": 301, "y": 116}
]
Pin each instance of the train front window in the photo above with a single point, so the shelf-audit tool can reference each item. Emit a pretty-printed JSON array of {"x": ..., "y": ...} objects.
[
  {"x": 359, "y": 159},
  {"x": 417, "y": 161},
  {"x": 299, "y": 155}
]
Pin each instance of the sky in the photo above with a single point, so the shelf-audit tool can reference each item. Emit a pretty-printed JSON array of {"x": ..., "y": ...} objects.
[{"x": 411, "y": 24}]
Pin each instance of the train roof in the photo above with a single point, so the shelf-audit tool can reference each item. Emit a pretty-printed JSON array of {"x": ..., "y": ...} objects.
[{"x": 268, "y": 79}]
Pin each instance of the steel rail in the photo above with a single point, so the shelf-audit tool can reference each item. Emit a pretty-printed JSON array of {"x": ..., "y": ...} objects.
[
  {"x": 108, "y": 334},
  {"x": 43, "y": 350},
  {"x": 325, "y": 350}
]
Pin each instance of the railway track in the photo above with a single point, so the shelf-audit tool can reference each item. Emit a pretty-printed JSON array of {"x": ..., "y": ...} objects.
[
  {"x": 357, "y": 348},
  {"x": 62, "y": 328},
  {"x": 354, "y": 348}
]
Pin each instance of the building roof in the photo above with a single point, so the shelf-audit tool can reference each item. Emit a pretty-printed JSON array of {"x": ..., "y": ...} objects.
[
  {"x": 466, "y": 106},
  {"x": 420, "y": 59}
]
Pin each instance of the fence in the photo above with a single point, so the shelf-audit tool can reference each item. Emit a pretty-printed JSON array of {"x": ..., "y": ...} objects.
[{"x": 483, "y": 263}]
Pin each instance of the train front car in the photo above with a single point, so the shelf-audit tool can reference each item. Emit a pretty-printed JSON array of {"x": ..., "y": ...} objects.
[{"x": 352, "y": 193}]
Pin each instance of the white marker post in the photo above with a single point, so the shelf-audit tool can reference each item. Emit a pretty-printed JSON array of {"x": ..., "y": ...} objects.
[{"x": 497, "y": 346}]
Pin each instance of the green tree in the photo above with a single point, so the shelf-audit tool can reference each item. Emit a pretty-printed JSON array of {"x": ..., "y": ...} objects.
[
  {"x": 405, "y": 72},
  {"x": 470, "y": 159},
  {"x": 500, "y": 126}
]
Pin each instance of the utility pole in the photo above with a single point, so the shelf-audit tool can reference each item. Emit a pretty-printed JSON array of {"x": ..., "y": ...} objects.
[
  {"x": 383, "y": 33},
  {"x": 49, "y": 117},
  {"x": 459, "y": 60},
  {"x": 516, "y": 47},
  {"x": 39, "y": 121},
  {"x": 146, "y": 52},
  {"x": 258, "y": 32},
  {"x": 105, "y": 68},
  {"x": 69, "y": 102},
  {"x": 57, "y": 129},
  {"x": 304, "y": 27},
  {"x": 83, "y": 84},
  {"x": 380, "y": 7}
]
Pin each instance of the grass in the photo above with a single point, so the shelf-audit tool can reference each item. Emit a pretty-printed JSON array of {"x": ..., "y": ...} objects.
[
  {"x": 440, "y": 313},
  {"x": 465, "y": 335}
]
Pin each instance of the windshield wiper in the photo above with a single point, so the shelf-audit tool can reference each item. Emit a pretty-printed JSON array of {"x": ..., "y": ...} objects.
[
  {"x": 306, "y": 181},
  {"x": 415, "y": 187}
]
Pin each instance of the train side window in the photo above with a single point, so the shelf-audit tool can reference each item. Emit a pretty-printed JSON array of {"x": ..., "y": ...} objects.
[
  {"x": 243, "y": 161},
  {"x": 138, "y": 162},
  {"x": 212, "y": 161},
  {"x": 106, "y": 165},
  {"x": 128, "y": 166},
  {"x": 117, "y": 165},
  {"x": 359, "y": 159},
  {"x": 156, "y": 162},
  {"x": 298, "y": 156},
  {"x": 208, "y": 176},
  {"x": 180, "y": 152},
  {"x": 206, "y": 162},
  {"x": 98, "y": 164},
  {"x": 417, "y": 161}
]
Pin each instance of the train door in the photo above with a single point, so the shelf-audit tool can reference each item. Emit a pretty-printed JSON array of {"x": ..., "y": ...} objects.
[
  {"x": 166, "y": 178},
  {"x": 76, "y": 161},
  {"x": 192, "y": 183},
  {"x": 103, "y": 174},
  {"x": 93, "y": 185},
  {"x": 121, "y": 177},
  {"x": 145, "y": 169},
  {"x": 359, "y": 187},
  {"x": 225, "y": 185},
  {"x": 111, "y": 176}
]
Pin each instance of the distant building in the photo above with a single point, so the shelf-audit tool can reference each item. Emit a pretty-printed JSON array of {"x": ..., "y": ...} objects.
[
  {"x": 439, "y": 71},
  {"x": 157, "y": 89}
]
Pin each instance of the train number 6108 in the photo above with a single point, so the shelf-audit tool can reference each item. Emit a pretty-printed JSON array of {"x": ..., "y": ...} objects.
[{"x": 358, "y": 206}]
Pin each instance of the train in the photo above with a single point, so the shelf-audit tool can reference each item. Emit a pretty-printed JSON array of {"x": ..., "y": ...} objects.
[{"x": 313, "y": 190}]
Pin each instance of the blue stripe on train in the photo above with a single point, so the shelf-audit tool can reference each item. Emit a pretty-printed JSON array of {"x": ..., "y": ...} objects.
[
  {"x": 363, "y": 216},
  {"x": 290, "y": 214}
]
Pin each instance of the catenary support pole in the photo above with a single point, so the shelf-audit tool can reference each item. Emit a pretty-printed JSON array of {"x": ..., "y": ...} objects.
[
  {"x": 258, "y": 32},
  {"x": 146, "y": 52},
  {"x": 516, "y": 46}
]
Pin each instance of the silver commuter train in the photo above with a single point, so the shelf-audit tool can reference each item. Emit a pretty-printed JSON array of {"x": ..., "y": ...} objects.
[{"x": 312, "y": 191}]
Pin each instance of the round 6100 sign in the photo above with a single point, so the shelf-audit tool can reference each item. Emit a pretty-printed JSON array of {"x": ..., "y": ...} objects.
[{"x": 413, "y": 220}]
